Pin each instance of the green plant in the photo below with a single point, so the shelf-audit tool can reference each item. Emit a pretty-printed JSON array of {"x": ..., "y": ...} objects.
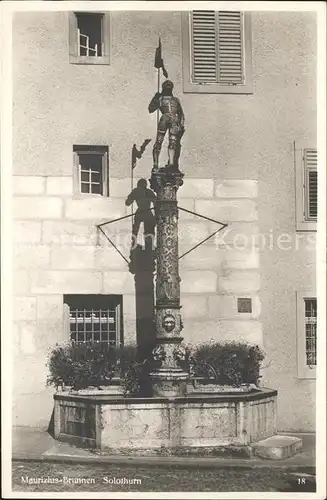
[
  {"x": 81, "y": 364},
  {"x": 228, "y": 363},
  {"x": 134, "y": 371}
]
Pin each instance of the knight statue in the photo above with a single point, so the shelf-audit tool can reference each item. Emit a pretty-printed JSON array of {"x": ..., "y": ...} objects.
[{"x": 172, "y": 119}]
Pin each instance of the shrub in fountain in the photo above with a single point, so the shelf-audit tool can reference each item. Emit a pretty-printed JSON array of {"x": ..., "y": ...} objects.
[
  {"x": 81, "y": 365},
  {"x": 92, "y": 364},
  {"x": 227, "y": 365}
]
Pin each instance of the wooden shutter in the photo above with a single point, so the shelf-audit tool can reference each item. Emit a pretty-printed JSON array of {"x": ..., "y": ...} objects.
[
  {"x": 230, "y": 51},
  {"x": 310, "y": 184},
  {"x": 204, "y": 46},
  {"x": 217, "y": 47}
]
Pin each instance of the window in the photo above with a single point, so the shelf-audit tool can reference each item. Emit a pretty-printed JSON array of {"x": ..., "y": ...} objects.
[
  {"x": 91, "y": 170},
  {"x": 306, "y": 189},
  {"x": 217, "y": 52},
  {"x": 94, "y": 318},
  {"x": 307, "y": 334},
  {"x": 89, "y": 37}
]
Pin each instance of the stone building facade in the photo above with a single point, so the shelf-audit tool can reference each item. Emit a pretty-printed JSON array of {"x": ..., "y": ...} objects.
[{"x": 240, "y": 166}]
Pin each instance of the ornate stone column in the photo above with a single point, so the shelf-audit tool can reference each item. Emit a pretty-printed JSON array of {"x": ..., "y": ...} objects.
[{"x": 169, "y": 379}]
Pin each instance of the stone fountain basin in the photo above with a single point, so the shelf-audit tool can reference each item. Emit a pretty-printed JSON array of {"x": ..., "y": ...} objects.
[{"x": 152, "y": 426}]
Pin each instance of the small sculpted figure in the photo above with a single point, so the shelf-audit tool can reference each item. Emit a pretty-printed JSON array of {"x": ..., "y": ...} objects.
[{"x": 172, "y": 119}]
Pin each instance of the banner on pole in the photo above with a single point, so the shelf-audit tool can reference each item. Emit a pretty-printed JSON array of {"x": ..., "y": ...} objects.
[{"x": 158, "y": 61}]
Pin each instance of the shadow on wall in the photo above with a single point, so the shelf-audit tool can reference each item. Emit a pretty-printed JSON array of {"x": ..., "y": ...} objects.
[{"x": 142, "y": 265}]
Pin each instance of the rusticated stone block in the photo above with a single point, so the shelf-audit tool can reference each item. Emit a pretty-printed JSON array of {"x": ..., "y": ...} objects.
[
  {"x": 194, "y": 306},
  {"x": 108, "y": 258},
  {"x": 204, "y": 257},
  {"x": 28, "y": 340},
  {"x": 237, "y": 189},
  {"x": 53, "y": 282},
  {"x": 61, "y": 186},
  {"x": 25, "y": 308},
  {"x": 97, "y": 209},
  {"x": 120, "y": 188},
  {"x": 192, "y": 232},
  {"x": 118, "y": 282},
  {"x": 68, "y": 233},
  {"x": 238, "y": 235},
  {"x": 241, "y": 331},
  {"x": 28, "y": 184},
  {"x": 196, "y": 188},
  {"x": 129, "y": 306},
  {"x": 31, "y": 256},
  {"x": 28, "y": 207},
  {"x": 198, "y": 281},
  {"x": 196, "y": 332},
  {"x": 27, "y": 232},
  {"x": 187, "y": 204},
  {"x": 225, "y": 306},
  {"x": 21, "y": 282},
  {"x": 228, "y": 210},
  {"x": 238, "y": 282},
  {"x": 49, "y": 307},
  {"x": 72, "y": 257},
  {"x": 240, "y": 259}
]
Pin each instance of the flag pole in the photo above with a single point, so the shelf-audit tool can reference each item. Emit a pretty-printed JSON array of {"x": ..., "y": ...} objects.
[
  {"x": 132, "y": 182},
  {"x": 158, "y": 91}
]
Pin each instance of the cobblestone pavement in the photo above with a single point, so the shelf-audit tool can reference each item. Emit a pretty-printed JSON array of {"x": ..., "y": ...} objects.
[{"x": 60, "y": 477}]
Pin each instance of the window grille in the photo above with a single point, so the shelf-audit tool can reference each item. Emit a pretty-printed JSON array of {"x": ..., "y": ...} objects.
[
  {"x": 90, "y": 171},
  {"x": 310, "y": 184},
  {"x": 89, "y": 35},
  {"x": 311, "y": 331},
  {"x": 217, "y": 47},
  {"x": 95, "y": 319}
]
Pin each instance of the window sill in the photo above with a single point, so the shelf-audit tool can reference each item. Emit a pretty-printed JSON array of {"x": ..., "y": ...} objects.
[
  {"x": 84, "y": 196},
  {"x": 306, "y": 226},
  {"x": 306, "y": 373},
  {"x": 215, "y": 88},
  {"x": 103, "y": 60}
]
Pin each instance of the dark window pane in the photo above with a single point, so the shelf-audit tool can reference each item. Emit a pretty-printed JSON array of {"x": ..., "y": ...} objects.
[
  {"x": 95, "y": 177},
  {"x": 96, "y": 188},
  {"x": 93, "y": 161},
  {"x": 85, "y": 188},
  {"x": 90, "y": 26},
  {"x": 310, "y": 308},
  {"x": 85, "y": 176}
]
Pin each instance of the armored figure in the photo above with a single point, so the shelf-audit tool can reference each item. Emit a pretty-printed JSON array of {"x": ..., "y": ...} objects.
[{"x": 172, "y": 119}]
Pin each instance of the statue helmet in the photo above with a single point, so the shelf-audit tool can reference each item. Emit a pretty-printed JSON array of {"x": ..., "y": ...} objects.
[{"x": 167, "y": 84}]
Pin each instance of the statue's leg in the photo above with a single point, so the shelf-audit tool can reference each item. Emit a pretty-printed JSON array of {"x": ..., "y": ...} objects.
[
  {"x": 178, "y": 149},
  {"x": 157, "y": 148},
  {"x": 172, "y": 149}
]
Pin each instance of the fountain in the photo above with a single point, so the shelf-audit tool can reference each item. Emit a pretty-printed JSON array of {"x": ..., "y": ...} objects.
[{"x": 172, "y": 421}]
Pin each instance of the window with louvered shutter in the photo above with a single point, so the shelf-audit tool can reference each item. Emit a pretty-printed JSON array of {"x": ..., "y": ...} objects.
[
  {"x": 310, "y": 184},
  {"x": 217, "y": 52},
  {"x": 217, "y": 47},
  {"x": 306, "y": 176}
]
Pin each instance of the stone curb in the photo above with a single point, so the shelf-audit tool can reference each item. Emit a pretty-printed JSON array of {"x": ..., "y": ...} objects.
[{"x": 180, "y": 462}]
